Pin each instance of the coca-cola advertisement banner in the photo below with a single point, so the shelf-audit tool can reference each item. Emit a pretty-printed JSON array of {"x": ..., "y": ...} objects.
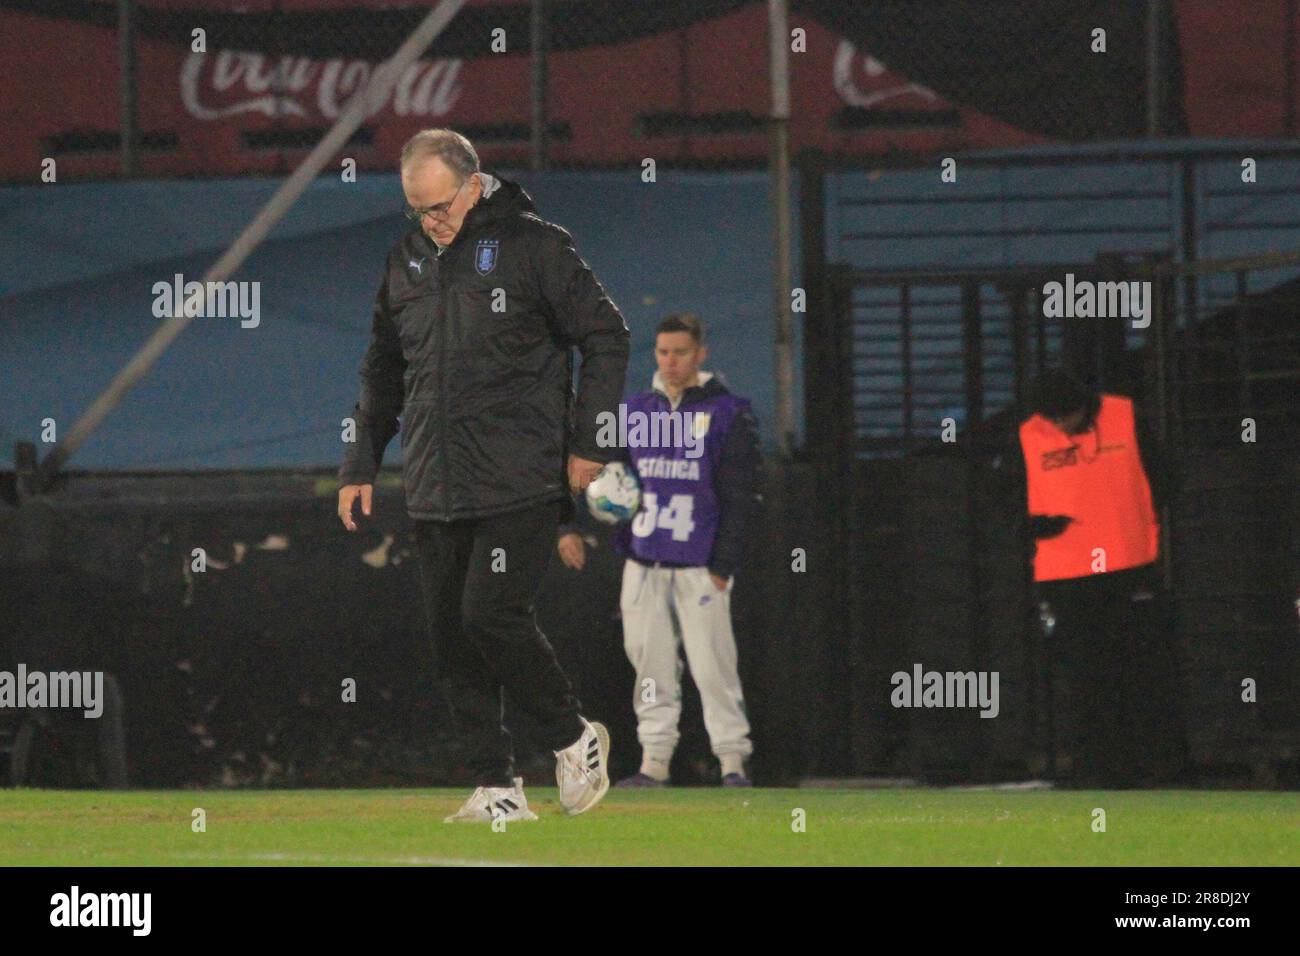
[
  {"x": 228, "y": 92},
  {"x": 233, "y": 82}
]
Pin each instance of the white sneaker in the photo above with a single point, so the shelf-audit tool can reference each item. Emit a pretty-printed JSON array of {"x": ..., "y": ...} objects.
[
  {"x": 490, "y": 803},
  {"x": 581, "y": 771}
]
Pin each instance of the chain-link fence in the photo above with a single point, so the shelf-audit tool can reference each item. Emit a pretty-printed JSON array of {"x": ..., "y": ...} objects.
[
  {"x": 167, "y": 88},
  {"x": 202, "y": 87},
  {"x": 196, "y": 87}
]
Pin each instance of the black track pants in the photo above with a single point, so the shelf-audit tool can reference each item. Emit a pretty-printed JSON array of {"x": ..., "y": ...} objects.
[{"x": 479, "y": 578}]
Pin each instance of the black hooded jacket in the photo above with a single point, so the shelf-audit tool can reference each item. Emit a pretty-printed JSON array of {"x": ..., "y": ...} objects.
[{"x": 473, "y": 349}]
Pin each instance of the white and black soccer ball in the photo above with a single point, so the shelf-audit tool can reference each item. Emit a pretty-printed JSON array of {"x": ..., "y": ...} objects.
[{"x": 615, "y": 494}]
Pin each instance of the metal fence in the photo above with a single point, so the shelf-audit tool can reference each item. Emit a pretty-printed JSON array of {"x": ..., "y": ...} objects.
[
  {"x": 943, "y": 285},
  {"x": 205, "y": 88},
  {"x": 201, "y": 87},
  {"x": 933, "y": 560}
]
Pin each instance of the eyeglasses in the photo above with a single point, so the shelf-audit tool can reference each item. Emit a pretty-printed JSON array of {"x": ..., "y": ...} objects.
[{"x": 438, "y": 212}]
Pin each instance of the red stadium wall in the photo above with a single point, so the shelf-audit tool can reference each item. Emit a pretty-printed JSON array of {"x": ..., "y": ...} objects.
[
  {"x": 208, "y": 103},
  {"x": 214, "y": 113},
  {"x": 1235, "y": 81}
]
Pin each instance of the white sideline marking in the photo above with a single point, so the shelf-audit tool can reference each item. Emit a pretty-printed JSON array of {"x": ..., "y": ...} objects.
[
  {"x": 1013, "y": 786},
  {"x": 323, "y": 858}
]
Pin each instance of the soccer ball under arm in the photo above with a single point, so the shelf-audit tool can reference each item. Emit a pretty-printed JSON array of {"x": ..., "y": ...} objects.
[{"x": 615, "y": 494}]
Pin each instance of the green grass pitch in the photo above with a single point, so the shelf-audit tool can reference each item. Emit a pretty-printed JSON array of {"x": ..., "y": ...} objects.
[{"x": 667, "y": 827}]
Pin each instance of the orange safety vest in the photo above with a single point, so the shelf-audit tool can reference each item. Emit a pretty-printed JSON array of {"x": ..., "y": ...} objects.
[{"x": 1097, "y": 479}]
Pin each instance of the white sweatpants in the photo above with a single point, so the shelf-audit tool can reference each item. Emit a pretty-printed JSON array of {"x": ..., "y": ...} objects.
[{"x": 651, "y": 635}]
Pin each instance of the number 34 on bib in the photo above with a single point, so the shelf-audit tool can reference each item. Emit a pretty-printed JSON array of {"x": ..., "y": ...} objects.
[{"x": 675, "y": 516}]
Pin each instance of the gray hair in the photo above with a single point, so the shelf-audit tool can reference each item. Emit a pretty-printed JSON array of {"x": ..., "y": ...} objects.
[{"x": 446, "y": 144}]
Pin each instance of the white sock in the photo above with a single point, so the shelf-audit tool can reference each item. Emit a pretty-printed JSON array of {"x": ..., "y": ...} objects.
[
  {"x": 732, "y": 763},
  {"x": 656, "y": 768}
]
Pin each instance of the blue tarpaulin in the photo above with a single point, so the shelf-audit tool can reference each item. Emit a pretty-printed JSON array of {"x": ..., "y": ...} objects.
[{"x": 78, "y": 264}]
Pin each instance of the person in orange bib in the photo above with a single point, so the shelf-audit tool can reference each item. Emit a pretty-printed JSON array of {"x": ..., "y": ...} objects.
[{"x": 1094, "y": 483}]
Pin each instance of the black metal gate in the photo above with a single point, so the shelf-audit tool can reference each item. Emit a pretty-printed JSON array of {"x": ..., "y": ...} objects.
[{"x": 927, "y": 371}]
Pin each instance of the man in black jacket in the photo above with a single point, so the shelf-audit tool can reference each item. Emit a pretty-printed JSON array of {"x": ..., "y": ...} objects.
[{"x": 474, "y": 325}]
